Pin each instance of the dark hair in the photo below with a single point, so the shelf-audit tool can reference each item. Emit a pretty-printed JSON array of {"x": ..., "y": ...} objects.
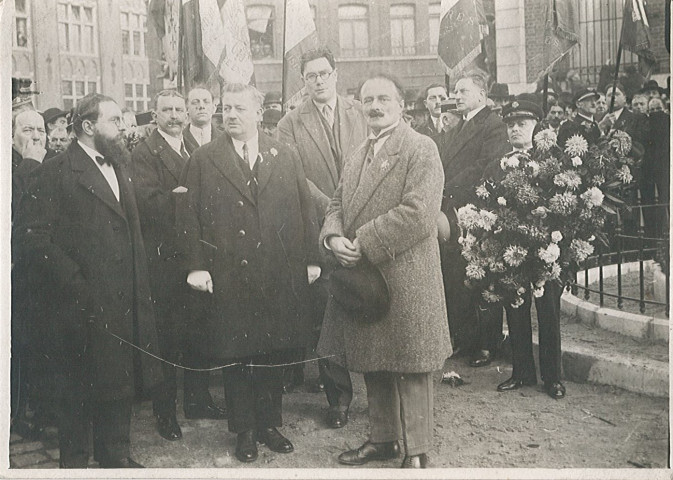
[
  {"x": 257, "y": 96},
  {"x": 88, "y": 108},
  {"x": 433, "y": 85},
  {"x": 553, "y": 103},
  {"x": 320, "y": 52},
  {"x": 200, "y": 86},
  {"x": 166, "y": 93}
]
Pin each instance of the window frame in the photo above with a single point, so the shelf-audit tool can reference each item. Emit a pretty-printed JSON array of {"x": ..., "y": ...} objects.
[
  {"x": 407, "y": 23},
  {"x": 352, "y": 22},
  {"x": 67, "y": 24}
]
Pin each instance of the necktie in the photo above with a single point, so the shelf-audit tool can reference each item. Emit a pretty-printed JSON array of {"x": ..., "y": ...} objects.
[
  {"x": 250, "y": 172},
  {"x": 183, "y": 152},
  {"x": 438, "y": 124},
  {"x": 103, "y": 161},
  {"x": 369, "y": 157},
  {"x": 329, "y": 115}
]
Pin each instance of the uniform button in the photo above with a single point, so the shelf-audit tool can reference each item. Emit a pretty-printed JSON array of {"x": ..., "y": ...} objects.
[
  {"x": 239, "y": 203},
  {"x": 241, "y": 233},
  {"x": 244, "y": 263}
]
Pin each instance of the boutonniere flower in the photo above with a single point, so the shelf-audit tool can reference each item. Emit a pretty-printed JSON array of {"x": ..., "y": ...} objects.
[
  {"x": 273, "y": 151},
  {"x": 385, "y": 164}
]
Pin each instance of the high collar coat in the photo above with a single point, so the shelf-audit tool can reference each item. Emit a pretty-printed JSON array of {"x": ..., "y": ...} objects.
[
  {"x": 392, "y": 211},
  {"x": 302, "y": 129},
  {"x": 190, "y": 142},
  {"x": 255, "y": 248},
  {"x": 87, "y": 250}
]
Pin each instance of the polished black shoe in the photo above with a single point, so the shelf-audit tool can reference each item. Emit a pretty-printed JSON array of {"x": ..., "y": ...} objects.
[
  {"x": 211, "y": 411},
  {"x": 273, "y": 439},
  {"x": 415, "y": 461},
  {"x": 483, "y": 358},
  {"x": 337, "y": 418},
  {"x": 246, "y": 446},
  {"x": 370, "y": 451},
  {"x": 127, "y": 462},
  {"x": 514, "y": 384},
  {"x": 168, "y": 427},
  {"x": 555, "y": 390}
]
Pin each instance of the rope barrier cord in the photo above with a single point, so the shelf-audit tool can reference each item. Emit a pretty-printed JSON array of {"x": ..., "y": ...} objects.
[{"x": 176, "y": 365}]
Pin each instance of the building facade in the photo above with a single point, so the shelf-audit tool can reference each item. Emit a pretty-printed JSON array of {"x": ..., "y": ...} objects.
[{"x": 73, "y": 47}]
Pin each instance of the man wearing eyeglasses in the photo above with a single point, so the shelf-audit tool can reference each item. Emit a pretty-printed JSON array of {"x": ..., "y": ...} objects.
[
  {"x": 79, "y": 232},
  {"x": 325, "y": 129}
]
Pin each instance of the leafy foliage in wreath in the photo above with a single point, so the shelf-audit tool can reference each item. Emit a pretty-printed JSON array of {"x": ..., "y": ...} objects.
[{"x": 540, "y": 220}]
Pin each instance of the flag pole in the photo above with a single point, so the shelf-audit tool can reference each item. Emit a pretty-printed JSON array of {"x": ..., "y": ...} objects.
[
  {"x": 545, "y": 89},
  {"x": 283, "y": 91},
  {"x": 181, "y": 53},
  {"x": 619, "y": 59}
]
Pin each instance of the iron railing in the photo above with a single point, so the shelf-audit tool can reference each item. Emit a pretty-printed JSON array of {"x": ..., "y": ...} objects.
[{"x": 630, "y": 247}]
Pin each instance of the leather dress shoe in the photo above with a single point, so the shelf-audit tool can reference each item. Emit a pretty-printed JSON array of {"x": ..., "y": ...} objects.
[
  {"x": 555, "y": 390},
  {"x": 337, "y": 418},
  {"x": 483, "y": 358},
  {"x": 415, "y": 461},
  {"x": 168, "y": 427},
  {"x": 273, "y": 439},
  {"x": 200, "y": 411},
  {"x": 514, "y": 384},
  {"x": 370, "y": 451},
  {"x": 246, "y": 446},
  {"x": 127, "y": 462}
]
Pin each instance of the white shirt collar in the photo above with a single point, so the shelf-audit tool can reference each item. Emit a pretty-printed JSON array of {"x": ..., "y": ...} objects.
[
  {"x": 174, "y": 142},
  {"x": 332, "y": 103},
  {"x": 93, "y": 153},
  {"x": 471, "y": 114},
  {"x": 201, "y": 134},
  {"x": 381, "y": 138},
  {"x": 618, "y": 112},
  {"x": 106, "y": 169},
  {"x": 253, "y": 148}
]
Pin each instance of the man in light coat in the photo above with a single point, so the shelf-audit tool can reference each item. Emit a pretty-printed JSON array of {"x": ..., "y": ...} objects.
[{"x": 385, "y": 211}]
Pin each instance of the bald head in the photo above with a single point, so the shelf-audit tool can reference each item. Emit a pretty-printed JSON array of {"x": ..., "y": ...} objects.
[{"x": 28, "y": 128}]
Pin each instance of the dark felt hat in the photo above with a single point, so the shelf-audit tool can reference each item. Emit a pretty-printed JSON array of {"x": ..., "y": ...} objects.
[
  {"x": 271, "y": 116},
  {"x": 52, "y": 114},
  {"x": 272, "y": 97},
  {"x": 499, "y": 91},
  {"x": 651, "y": 86},
  {"x": 585, "y": 93},
  {"x": 361, "y": 291},
  {"x": 521, "y": 109}
]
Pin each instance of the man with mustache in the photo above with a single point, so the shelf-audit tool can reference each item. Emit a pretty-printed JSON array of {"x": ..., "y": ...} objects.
[
  {"x": 157, "y": 164},
  {"x": 79, "y": 232},
  {"x": 384, "y": 215}
]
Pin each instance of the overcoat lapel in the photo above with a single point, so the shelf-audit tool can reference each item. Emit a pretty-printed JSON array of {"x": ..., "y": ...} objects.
[
  {"x": 465, "y": 135},
  {"x": 91, "y": 178},
  {"x": 169, "y": 157},
  {"x": 311, "y": 120},
  {"x": 267, "y": 158},
  {"x": 383, "y": 163},
  {"x": 347, "y": 122},
  {"x": 226, "y": 162}
]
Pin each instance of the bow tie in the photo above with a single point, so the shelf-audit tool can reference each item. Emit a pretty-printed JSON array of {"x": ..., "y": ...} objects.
[{"x": 104, "y": 161}]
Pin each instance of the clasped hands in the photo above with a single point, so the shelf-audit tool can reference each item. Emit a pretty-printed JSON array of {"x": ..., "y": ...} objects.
[{"x": 347, "y": 253}]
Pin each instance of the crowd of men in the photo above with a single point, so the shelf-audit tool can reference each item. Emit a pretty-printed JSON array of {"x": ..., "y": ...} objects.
[{"x": 233, "y": 236}]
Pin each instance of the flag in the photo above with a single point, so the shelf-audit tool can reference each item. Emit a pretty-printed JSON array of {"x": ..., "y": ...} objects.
[
  {"x": 460, "y": 32},
  {"x": 636, "y": 32},
  {"x": 300, "y": 36},
  {"x": 165, "y": 15},
  {"x": 561, "y": 29}
]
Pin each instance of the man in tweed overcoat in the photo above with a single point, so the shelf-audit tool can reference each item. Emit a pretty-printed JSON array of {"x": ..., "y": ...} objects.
[{"x": 385, "y": 209}]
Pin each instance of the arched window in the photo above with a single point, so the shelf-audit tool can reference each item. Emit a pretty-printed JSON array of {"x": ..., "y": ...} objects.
[
  {"x": 402, "y": 29},
  {"x": 434, "y": 11},
  {"x": 353, "y": 31}
]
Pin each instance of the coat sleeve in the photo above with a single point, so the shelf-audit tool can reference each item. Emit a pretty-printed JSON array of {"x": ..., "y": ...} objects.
[
  {"x": 188, "y": 216},
  {"x": 333, "y": 224},
  {"x": 155, "y": 203},
  {"x": 308, "y": 212},
  {"x": 415, "y": 218}
]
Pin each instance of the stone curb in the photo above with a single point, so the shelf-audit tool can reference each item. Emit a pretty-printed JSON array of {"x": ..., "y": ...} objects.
[{"x": 625, "y": 323}]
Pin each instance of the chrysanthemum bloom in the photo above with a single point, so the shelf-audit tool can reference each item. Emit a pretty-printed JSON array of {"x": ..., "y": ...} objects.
[
  {"x": 540, "y": 212},
  {"x": 538, "y": 292},
  {"x": 549, "y": 254},
  {"x": 474, "y": 272},
  {"x": 576, "y": 161},
  {"x": 580, "y": 250},
  {"x": 593, "y": 197},
  {"x": 468, "y": 216},
  {"x": 535, "y": 168},
  {"x": 518, "y": 301},
  {"x": 556, "y": 236},
  {"x": 502, "y": 201},
  {"x": 563, "y": 203},
  {"x": 526, "y": 194},
  {"x": 482, "y": 191},
  {"x": 621, "y": 142},
  {"x": 597, "y": 180},
  {"x": 545, "y": 139},
  {"x": 624, "y": 174},
  {"x": 550, "y": 167},
  {"x": 486, "y": 219},
  {"x": 514, "y": 255},
  {"x": 509, "y": 162},
  {"x": 568, "y": 179},
  {"x": 576, "y": 146},
  {"x": 490, "y": 296}
]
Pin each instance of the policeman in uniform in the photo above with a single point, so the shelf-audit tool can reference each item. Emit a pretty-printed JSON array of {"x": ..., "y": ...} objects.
[{"x": 583, "y": 123}]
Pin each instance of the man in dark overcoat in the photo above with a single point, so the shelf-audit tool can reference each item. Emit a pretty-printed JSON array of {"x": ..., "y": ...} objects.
[
  {"x": 466, "y": 150},
  {"x": 583, "y": 123},
  {"x": 157, "y": 164},
  {"x": 250, "y": 238},
  {"x": 325, "y": 129},
  {"x": 200, "y": 109},
  {"x": 434, "y": 95},
  {"x": 385, "y": 212},
  {"x": 79, "y": 232}
]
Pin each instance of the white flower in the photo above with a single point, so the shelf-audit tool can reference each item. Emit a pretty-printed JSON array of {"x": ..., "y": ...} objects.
[
  {"x": 509, "y": 162},
  {"x": 487, "y": 219},
  {"x": 577, "y": 161},
  {"x": 535, "y": 167},
  {"x": 556, "y": 236},
  {"x": 482, "y": 191},
  {"x": 468, "y": 216},
  {"x": 580, "y": 249},
  {"x": 538, "y": 292},
  {"x": 576, "y": 145},
  {"x": 593, "y": 197},
  {"x": 545, "y": 139},
  {"x": 520, "y": 291},
  {"x": 502, "y": 201},
  {"x": 540, "y": 212},
  {"x": 518, "y": 301},
  {"x": 624, "y": 174},
  {"x": 591, "y": 238},
  {"x": 549, "y": 254},
  {"x": 273, "y": 151},
  {"x": 514, "y": 255},
  {"x": 474, "y": 272}
]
